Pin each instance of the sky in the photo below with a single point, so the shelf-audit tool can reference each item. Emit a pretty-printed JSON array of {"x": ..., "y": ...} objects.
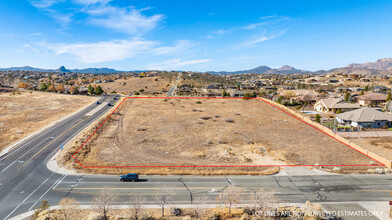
[{"x": 202, "y": 35}]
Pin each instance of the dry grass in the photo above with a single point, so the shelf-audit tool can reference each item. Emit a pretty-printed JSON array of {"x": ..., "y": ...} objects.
[
  {"x": 380, "y": 145},
  {"x": 131, "y": 85},
  {"x": 25, "y": 112},
  {"x": 186, "y": 214},
  {"x": 173, "y": 132}
]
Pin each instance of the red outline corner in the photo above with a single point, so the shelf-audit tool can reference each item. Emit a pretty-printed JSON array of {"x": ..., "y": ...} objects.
[{"x": 287, "y": 165}]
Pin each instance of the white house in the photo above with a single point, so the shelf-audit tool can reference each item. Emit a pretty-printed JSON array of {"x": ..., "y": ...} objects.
[{"x": 332, "y": 105}]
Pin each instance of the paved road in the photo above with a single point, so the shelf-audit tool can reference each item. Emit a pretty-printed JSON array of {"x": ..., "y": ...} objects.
[
  {"x": 173, "y": 88},
  {"x": 25, "y": 179}
]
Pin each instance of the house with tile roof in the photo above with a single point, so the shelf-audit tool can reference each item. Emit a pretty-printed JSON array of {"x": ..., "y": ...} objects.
[
  {"x": 366, "y": 118},
  {"x": 332, "y": 105}
]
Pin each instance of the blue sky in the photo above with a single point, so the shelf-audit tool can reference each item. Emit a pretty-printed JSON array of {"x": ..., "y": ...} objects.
[{"x": 193, "y": 35}]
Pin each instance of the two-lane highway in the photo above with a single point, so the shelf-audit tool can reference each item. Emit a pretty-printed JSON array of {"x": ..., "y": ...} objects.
[{"x": 24, "y": 177}]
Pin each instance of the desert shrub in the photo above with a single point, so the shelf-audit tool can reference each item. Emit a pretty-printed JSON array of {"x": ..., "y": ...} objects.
[
  {"x": 44, "y": 206},
  {"x": 205, "y": 117},
  {"x": 201, "y": 154},
  {"x": 198, "y": 102}
]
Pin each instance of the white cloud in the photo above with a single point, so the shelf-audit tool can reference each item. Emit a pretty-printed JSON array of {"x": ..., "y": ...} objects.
[
  {"x": 103, "y": 51},
  {"x": 266, "y": 21},
  {"x": 220, "y": 32},
  {"x": 44, "y": 3},
  {"x": 31, "y": 48},
  {"x": 256, "y": 40},
  {"x": 175, "y": 64},
  {"x": 91, "y": 2},
  {"x": 128, "y": 20},
  {"x": 115, "y": 50},
  {"x": 179, "y": 46}
]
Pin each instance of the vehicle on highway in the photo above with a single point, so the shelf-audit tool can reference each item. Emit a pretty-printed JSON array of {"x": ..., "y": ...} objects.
[
  {"x": 129, "y": 177},
  {"x": 98, "y": 102},
  {"x": 109, "y": 104}
]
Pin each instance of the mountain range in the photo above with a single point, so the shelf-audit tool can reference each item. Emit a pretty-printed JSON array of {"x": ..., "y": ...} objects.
[
  {"x": 62, "y": 69},
  {"x": 381, "y": 66},
  {"x": 286, "y": 69}
]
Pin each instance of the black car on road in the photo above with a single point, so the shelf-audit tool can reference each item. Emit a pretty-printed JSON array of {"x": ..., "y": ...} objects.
[{"x": 129, "y": 177}]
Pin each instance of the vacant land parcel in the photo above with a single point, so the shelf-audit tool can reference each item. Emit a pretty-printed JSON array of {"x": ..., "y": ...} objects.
[
  {"x": 22, "y": 113},
  {"x": 149, "y": 85},
  {"x": 210, "y": 132}
]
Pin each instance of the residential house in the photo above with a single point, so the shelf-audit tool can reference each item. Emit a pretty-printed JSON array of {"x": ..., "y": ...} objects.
[
  {"x": 333, "y": 81},
  {"x": 333, "y": 105},
  {"x": 355, "y": 89},
  {"x": 304, "y": 96},
  {"x": 340, "y": 89},
  {"x": 238, "y": 94},
  {"x": 380, "y": 89},
  {"x": 371, "y": 99},
  {"x": 365, "y": 118}
]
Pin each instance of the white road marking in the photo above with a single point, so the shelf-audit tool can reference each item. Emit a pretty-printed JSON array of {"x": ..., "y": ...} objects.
[
  {"x": 20, "y": 161},
  {"x": 12, "y": 212},
  {"x": 95, "y": 110},
  {"x": 57, "y": 181},
  {"x": 8, "y": 166}
]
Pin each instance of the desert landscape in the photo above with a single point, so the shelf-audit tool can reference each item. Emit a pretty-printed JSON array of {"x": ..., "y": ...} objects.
[
  {"x": 150, "y": 85},
  {"x": 25, "y": 112},
  {"x": 380, "y": 145},
  {"x": 213, "y": 132}
]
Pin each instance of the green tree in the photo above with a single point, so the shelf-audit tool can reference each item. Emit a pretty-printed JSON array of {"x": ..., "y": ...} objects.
[
  {"x": 389, "y": 96},
  {"x": 90, "y": 90},
  {"x": 280, "y": 99},
  {"x": 362, "y": 92},
  {"x": 254, "y": 95},
  {"x": 347, "y": 96},
  {"x": 366, "y": 88},
  {"x": 141, "y": 90},
  {"x": 98, "y": 90},
  {"x": 317, "y": 118},
  {"x": 247, "y": 96},
  {"x": 338, "y": 111},
  {"x": 43, "y": 87}
]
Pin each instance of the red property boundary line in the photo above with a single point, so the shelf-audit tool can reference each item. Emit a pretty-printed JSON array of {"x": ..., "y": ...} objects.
[{"x": 216, "y": 166}]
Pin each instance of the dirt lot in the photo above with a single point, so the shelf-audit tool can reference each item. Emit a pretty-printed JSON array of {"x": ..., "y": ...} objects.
[
  {"x": 154, "y": 132},
  {"x": 379, "y": 145},
  {"x": 25, "y": 112},
  {"x": 131, "y": 85}
]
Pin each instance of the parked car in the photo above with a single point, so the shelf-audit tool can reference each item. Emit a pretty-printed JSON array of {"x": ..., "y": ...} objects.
[{"x": 129, "y": 177}]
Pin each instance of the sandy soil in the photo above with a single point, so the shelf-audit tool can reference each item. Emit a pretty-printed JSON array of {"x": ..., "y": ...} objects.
[
  {"x": 22, "y": 113},
  {"x": 379, "y": 145},
  {"x": 213, "y": 132},
  {"x": 131, "y": 85}
]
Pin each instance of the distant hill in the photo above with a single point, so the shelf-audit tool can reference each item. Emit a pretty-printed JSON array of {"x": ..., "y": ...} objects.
[
  {"x": 286, "y": 69},
  {"x": 62, "y": 69},
  {"x": 381, "y": 64}
]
